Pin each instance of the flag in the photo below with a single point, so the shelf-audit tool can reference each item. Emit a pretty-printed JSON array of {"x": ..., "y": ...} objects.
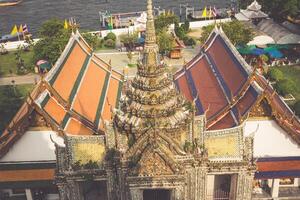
[
  {"x": 14, "y": 30},
  {"x": 21, "y": 29},
  {"x": 25, "y": 29},
  {"x": 210, "y": 15},
  {"x": 214, "y": 12},
  {"x": 66, "y": 25},
  {"x": 204, "y": 14},
  {"x": 110, "y": 24}
]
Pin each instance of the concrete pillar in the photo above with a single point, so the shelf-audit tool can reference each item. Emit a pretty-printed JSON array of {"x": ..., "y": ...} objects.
[
  {"x": 275, "y": 188},
  {"x": 28, "y": 194},
  {"x": 297, "y": 182},
  {"x": 270, "y": 183}
]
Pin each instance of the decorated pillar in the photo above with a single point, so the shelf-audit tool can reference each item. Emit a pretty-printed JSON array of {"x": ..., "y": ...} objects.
[
  {"x": 201, "y": 183},
  {"x": 136, "y": 194},
  {"x": 244, "y": 187},
  {"x": 74, "y": 190}
]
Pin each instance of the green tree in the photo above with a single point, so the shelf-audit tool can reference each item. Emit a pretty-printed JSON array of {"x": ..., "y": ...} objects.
[
  {"x": 285, "y": 87},
  {"x": 279, "y": 9},
  {"x": 10, "y": 100},
  {"x": 164, "y": 21},
  {"x": 129, "y": 40},
  {"x": 53, "y": 41},
  {"x": 236, "y": 31},
  {"x": 186, "y": 26},
  {"x": 275, "y": 74},
  {"x": 91, "y": 39},
  {"x": 165, "y": 42},
  {"x": 110, "y": 36},
  {"x": 179, "y": 31}
]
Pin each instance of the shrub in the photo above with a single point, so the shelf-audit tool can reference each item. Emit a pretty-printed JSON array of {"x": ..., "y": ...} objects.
[
  {"x": 179, "y": 31},
  {"x": 275, "y": 74},
  {"x": 188, "y": 41},
  {"x": 285, "y": 87},
  {"x": 186, "y": 26},
  {"x": 110, "y": 36},
  {"x": 110, "y": 43}
]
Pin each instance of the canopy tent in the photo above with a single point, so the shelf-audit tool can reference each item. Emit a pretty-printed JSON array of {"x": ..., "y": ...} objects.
[
  {"x": 261, "y": 40},
  {"x": 273, "y": 52},
  {"x": 258, "y": 52},
  {"x": 280, "y": 34},
  {"x": 246, "y": 50},
  {"x": 43, "y": 64}
]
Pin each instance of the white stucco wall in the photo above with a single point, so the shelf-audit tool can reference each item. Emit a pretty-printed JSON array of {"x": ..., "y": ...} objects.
[
  {"x": 270, "y": 140},
  {"x": 33, "y": 146}
]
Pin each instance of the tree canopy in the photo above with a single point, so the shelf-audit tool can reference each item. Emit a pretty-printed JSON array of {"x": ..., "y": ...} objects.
[
  {"x": 165, "y": 41},
  {"x": 236, "y": 31},
  {"x": 277, "y": 9},
  {"x": 164, "y": 21},
  {"x": 53, "y": 40},
  {"x": 129, "y": 40}
]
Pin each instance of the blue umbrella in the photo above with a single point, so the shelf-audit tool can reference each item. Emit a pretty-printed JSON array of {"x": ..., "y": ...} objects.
[
  {"x": 274, "y": 53},
  {"x": 258, "y": 52}
]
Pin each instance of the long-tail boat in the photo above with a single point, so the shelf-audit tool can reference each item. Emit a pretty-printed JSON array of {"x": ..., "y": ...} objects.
[{"x": 9, "y": 3}]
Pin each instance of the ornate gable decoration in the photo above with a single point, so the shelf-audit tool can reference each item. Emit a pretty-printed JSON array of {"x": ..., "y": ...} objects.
[
  {"x": 85, "y": 149},
  {"x": 224, "y": 145}
]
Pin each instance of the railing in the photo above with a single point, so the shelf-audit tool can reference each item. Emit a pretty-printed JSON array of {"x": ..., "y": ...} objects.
[{"x": 219, "y": 195}]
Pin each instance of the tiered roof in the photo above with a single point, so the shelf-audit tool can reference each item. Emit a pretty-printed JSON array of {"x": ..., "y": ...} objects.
[
  {"x": 75, "y": 97},
  {"x": 225, "y": 88},
  {"x": 151, "y": 99},
  {"x": 253, "y": 11}
]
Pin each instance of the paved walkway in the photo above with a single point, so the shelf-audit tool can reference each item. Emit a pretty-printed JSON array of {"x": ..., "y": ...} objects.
[
  {"x": 119, "y": 60},
  {"x": 20, "y": 80}
]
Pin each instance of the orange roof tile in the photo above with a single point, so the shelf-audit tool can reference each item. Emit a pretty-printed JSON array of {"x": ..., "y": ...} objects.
[
  {"x": 88, "y": 96},
  {"x": 74, "y": 127},
  {"x": 27, "y": 175}
]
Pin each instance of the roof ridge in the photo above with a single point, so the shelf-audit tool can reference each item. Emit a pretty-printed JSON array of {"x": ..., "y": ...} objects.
[{"x": 61, "y": 58}]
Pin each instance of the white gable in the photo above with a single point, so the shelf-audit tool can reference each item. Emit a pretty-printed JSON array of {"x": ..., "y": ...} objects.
[
  {"x": 270, "y": 140},
  {"x": 33, "y": 146}
]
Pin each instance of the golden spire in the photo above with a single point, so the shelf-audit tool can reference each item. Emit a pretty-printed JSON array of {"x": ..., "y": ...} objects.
[
  {"x": 151, "y": 54},
  {"x": 150, "y": 28}
]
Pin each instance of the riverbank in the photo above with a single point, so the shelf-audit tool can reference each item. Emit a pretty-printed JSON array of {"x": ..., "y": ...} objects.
[{"x": 11, "y": 46}]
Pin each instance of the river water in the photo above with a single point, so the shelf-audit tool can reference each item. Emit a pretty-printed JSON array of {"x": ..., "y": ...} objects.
[{"x": 35, "y": 12}]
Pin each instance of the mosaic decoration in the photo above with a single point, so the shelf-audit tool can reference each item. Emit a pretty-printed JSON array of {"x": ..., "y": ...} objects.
[
  {"x": 224, "y": 145},
  {"x": 86, "y": 148}
]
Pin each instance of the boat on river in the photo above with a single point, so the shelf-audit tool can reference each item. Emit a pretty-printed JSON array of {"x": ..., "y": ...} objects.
[{"x": 9, "y": 2}]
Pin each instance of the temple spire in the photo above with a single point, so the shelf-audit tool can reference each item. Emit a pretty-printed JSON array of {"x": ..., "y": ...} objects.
[
  {"x": 150, "y": 28},
  {"x": 151, "y": 59}
]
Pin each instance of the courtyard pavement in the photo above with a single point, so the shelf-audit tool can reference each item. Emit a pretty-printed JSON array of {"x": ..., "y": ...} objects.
[{"x": 119, "y": 61}]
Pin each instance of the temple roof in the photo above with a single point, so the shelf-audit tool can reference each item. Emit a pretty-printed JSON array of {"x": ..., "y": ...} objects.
[
  {"x": 208, "y": 79},
  {"x": 253, "y": 11},
  {"x": 225, "y": 88},
  {"x": 255, "y": 6},
  {"x": 76, "y": 96},
  {"x": 81, "y": 90}
]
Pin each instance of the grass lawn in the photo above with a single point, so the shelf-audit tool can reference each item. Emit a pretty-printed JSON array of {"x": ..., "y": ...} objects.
[
  {"x": 8, "y": 62},
  {"x": 10, "y": 101},
  {"x": 292, "y": 73}
]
